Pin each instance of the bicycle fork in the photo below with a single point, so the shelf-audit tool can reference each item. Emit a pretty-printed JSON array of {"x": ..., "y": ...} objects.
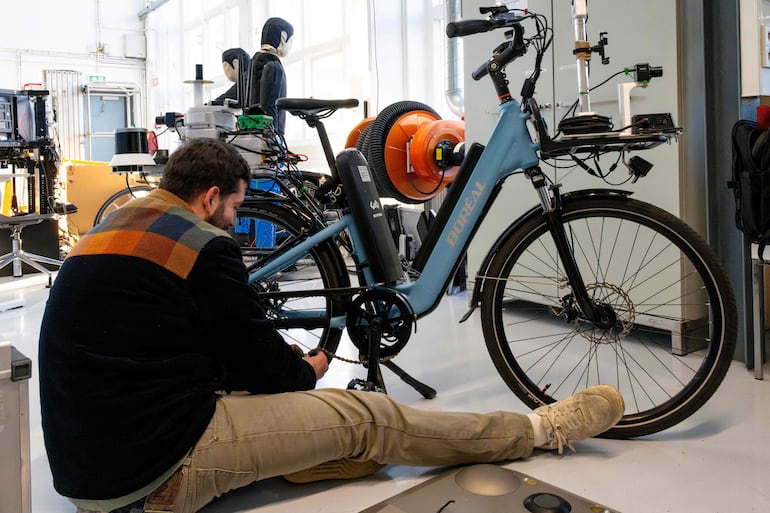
[{"x": 601, "y": 315}]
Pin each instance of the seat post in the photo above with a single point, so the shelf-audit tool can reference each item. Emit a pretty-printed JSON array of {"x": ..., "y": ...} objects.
[{"x": 316, "y": 123}]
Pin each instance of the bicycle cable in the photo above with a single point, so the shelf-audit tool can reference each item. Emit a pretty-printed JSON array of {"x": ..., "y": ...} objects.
[
  {"x": 436, "y": 188},
  {"x": 573, "y": 107}
]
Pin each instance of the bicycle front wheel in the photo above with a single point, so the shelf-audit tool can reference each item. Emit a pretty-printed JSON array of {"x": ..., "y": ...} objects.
[
  {"x": 263, "y": 230},
  {"x": 675, "y": 319}
]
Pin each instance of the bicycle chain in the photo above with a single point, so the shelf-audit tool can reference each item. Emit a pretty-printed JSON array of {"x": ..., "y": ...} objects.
[{"x": 333, "y": 356}]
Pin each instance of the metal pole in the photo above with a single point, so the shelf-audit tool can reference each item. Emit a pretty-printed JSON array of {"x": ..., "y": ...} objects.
[{"x": 579, "y": 16}]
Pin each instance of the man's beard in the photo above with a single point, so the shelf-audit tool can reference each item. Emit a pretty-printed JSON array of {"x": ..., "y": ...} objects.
[{"x": 218, "y": 217}]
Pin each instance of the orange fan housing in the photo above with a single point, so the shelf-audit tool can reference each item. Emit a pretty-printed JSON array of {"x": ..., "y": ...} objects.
[
  {"x": 425, "y": 130},
  {"x": 424, "y": 148},
  {"x": 355, "y": 133}
]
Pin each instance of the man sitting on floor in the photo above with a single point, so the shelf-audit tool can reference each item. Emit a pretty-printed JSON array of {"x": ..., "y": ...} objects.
[{"x": 151, "y": 317}]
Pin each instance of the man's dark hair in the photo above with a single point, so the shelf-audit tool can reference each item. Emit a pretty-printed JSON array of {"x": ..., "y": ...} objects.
[{"x": 203, "y": 163}]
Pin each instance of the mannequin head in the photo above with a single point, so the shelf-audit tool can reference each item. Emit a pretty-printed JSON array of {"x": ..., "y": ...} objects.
[
  {"x": 277, "y": 33},
  {"x": 231, "y": 70},
  {"x": 233, "y": 61}
]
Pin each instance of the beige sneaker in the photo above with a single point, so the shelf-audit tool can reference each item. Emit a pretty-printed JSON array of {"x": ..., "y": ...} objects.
[
  {"x": 336, "y": 469},
  {"x": 583, "y": 415}
]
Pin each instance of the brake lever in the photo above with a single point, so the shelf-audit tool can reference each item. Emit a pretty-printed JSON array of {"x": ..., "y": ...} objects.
[
  {"x": 497, "y": 9},
  {"x": 481, "y": 72}
]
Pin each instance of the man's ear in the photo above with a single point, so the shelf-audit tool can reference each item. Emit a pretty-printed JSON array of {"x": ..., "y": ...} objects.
[
  {"x": 211, "y": 199},
  {"x": 205, "y": 203}
]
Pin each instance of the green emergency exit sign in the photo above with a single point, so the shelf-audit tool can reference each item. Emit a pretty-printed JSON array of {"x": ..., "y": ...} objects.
[{"x": 97, "y": 78}]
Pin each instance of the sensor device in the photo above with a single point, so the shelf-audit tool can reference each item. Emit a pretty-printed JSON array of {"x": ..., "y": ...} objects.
[
  {"x": 653, "y": 124},
  {"x": 486, "y": 488}
]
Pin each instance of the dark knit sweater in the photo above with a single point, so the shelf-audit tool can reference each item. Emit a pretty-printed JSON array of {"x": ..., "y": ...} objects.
[
  {"x": 268, "y": 84},
  {"x": 149, "y": 316}
]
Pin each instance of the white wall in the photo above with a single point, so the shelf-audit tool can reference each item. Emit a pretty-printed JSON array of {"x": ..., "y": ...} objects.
[
  {"x": 165, "y": 58},
  {"x": 404, "y": 61},
  {"x": 407, "y": 43},
  {"x": 750, "y": 54},
  {"x": 95, "y": 38},
  {"x": 755, "y": 48},
  {"x": 41, "y": 34},
  {"x": 397, "y": 56}
]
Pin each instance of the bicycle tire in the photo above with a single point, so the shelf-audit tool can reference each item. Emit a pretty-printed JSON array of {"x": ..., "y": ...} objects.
[
  {"x": 674, "y": 338},
  {"x": 119, "y": 199},
  {"x": 273, "y": 226}
]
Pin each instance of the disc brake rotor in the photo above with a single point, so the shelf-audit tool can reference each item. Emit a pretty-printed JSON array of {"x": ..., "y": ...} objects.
[{"x": 615, "y": 298}]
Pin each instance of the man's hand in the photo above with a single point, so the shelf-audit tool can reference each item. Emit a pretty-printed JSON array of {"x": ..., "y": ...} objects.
[
  {"x": 316, "y": 359},
  {"x": 319, "y": 362}
]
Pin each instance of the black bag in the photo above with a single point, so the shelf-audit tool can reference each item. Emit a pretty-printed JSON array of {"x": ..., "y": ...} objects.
[{"x": 751, "y": 182}]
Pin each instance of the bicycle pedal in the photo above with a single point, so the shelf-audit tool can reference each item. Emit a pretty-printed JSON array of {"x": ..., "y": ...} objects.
[
  {"x": 330, "y": 193},
  {"x": 365, "y": 386}
]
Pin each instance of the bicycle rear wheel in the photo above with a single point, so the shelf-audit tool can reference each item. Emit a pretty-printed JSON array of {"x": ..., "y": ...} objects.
[
  {"x": 119, "y": 199},
  {"x": 264, "y": 228},
  {"x": 675, "y": 329}
]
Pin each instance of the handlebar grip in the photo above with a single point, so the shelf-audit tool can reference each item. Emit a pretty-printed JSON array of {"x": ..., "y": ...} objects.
[{"x": 467, "y": 27}]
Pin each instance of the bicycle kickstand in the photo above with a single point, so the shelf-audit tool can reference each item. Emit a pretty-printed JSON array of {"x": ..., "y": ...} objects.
[
  {"x": 424, "y": 390},
  {"x": 374, "y": 381}
]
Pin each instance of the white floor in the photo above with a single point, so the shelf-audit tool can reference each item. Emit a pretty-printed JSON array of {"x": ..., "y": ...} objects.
[{"x": 718, "y": 461}]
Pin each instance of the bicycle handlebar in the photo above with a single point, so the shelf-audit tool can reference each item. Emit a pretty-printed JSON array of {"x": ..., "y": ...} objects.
[
  {"x": 499, "y": 17},
  {"x": 468, "y": 27}
]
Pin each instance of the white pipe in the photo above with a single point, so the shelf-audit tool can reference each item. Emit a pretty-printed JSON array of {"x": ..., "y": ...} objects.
[
  {"x": 454, "y": 84},
  {"x": 150, "y": 8}
]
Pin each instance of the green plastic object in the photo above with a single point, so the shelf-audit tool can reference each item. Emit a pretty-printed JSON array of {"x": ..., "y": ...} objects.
[{"x": 255, "y": 121}]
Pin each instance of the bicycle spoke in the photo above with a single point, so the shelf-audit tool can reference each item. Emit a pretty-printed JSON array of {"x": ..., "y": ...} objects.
[
  {"x": 268, "y": 230},
  {"x": 660, "y": 343}
]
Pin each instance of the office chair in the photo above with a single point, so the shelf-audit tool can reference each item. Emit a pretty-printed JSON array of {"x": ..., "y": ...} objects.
[{"x": 17, "y": 255}]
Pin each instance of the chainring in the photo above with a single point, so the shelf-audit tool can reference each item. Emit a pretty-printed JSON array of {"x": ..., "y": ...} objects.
[{"x": 395, "y": 312}]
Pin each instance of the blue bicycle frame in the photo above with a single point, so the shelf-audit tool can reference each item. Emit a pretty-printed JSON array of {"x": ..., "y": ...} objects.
[{"x": 510, "y": 148}]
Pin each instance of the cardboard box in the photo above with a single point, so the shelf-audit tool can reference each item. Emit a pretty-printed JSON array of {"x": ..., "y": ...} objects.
[{"x": 89, "y": 186}]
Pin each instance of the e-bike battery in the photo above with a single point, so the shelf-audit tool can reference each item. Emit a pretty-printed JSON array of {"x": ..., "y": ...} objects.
[{"x": 369, "y": 216}]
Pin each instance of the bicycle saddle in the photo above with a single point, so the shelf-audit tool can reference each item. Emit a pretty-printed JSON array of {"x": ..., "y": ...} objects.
[{"x": 309, "y": 106}]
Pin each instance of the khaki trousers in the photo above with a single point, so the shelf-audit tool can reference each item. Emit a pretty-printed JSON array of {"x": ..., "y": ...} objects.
[{"x": 253, "y": 437}]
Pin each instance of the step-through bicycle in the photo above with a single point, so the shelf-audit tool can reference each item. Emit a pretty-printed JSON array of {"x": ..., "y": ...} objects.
[{"x": 588, "y": 286}]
